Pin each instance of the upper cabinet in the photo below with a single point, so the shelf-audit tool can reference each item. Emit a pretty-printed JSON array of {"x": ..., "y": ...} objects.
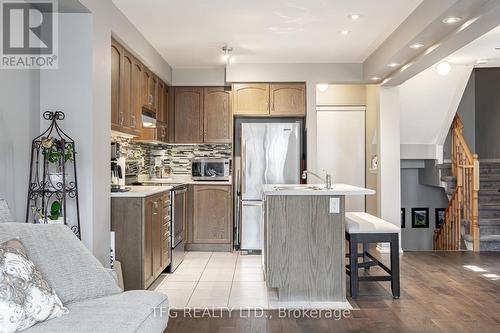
[
  {"x": 262, "y": 99},
  {"x": 217, "y": 115},
  {"x": 288, "y": 99},
  {"x": 202, "y": 115},
  {"x": 123, "y": 91},
  {"x": 251, "y": 99},
  {"x": 134, "y": 87},
  {"x": 188, "y": 115}
]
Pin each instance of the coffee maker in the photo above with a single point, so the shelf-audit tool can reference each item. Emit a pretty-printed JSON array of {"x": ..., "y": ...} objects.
[{"x": 117, "y": 169}]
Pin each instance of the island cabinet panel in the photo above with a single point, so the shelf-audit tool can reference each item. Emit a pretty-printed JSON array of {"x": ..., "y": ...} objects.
[
  {"x": 210, "y": 221},
  {"x": 251, "y": 99},
  {"x": 288, "y": 99},
  {"x": 217, "y": 115},
  {"x": 188, "y": 115},
  {"x": 142, "y": 231},
  {"x": 304, "y": 247}
]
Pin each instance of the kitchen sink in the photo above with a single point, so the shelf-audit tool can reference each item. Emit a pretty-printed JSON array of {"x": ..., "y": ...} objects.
[{"x": 299, "y": 188}]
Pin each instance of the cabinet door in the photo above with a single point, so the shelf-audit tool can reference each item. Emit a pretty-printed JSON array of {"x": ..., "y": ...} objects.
[
  {"x": 136, "y": 96},
  {"x": 126, "y": 91},
  {"x": 188, "y": 115},
  {"x": 211, "y": 214},
  {"x": 147, "y": 260},
  {"x": 160, "y": 115},
  {"x": 217, "y": 115},
  {"x": 116, "y": 115},
  {"x": 147, "y": 98},
  {"x": 153, "y": 91},
  {"x": 251, "y": 99},
  {"x": 288, "y": 99}
]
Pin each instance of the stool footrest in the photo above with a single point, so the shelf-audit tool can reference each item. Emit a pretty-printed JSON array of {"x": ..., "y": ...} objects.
[{"x": 374, "y": 278}]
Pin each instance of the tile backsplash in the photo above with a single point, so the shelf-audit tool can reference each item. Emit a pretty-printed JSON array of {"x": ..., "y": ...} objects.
[{"x": 138, "y": 155}]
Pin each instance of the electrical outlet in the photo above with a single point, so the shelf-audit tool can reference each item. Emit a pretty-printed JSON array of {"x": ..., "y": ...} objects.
[{"x": 334, "y": 205}]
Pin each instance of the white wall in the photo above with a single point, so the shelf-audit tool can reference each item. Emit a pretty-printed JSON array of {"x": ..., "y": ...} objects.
[
  {"x": 309, "y": 73},
  {"x": 429, "y": 102},
  {"x": 19, "y": 124},
  {"x": 388, "y": 176},
  {"x": 199, "y": 76}
]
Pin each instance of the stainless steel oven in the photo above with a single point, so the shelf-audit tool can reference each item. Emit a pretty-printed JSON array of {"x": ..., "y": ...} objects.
[
  {"x": 178, "y": 224},
  {"x": 206, "y": 168}
]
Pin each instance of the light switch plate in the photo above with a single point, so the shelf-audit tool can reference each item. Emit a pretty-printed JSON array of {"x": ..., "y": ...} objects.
[{"x": 334, "y": 205}]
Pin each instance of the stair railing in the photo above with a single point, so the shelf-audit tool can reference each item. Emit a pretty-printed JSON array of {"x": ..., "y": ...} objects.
[{"x": 464, "y": 202}]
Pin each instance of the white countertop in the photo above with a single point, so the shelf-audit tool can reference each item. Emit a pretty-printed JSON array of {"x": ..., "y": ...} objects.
[
  {"x": 314, "y": 189},
  {"x": 141, "y": 191}
]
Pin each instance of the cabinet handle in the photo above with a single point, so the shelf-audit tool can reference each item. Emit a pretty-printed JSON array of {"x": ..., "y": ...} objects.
[
  {"x": 132, "y": 118},
  {"x": 121, "y": 118},
  {"x": 155, "y": 208},
  {"x": 150, "y": 99}
]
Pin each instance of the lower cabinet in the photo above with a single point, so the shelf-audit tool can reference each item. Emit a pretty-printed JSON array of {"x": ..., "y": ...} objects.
[
  {"x": 142, "y": 237},
  {"x": 210, "y": 224}
]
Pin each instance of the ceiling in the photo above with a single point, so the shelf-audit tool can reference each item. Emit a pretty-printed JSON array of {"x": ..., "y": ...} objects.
[
  {"x": 190, "y": 33},
  {"x": 482, "y": 48}
]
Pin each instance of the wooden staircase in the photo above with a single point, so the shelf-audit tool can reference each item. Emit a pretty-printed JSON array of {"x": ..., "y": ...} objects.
[{"x": 463, "y": 208}]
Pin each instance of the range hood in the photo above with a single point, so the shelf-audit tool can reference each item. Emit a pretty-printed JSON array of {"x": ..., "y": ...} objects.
[{"x": 148, "y": 118}]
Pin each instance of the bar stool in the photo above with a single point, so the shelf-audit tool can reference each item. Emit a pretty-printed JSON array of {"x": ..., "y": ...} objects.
[{"x": 365, "y": 228}]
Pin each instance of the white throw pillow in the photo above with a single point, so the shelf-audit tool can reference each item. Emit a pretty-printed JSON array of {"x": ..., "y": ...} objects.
[{"x": 25, "y": 297}]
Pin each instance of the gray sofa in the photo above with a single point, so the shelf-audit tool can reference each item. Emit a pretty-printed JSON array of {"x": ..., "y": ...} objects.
[{"x": 86, "y": 288}]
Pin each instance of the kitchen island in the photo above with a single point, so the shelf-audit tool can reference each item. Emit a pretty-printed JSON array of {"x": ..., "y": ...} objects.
[{"x": 304, "y": 241}]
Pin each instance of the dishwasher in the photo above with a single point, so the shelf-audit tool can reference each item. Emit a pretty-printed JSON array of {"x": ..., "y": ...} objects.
[{"x": 178, "y": 225}]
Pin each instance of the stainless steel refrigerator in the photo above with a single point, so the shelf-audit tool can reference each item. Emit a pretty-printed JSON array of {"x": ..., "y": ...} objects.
[{"x": 270, "y": 153}]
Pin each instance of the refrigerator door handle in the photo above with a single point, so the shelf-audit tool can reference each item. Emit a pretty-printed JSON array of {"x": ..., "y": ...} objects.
[{"x": 243, "y": 166}]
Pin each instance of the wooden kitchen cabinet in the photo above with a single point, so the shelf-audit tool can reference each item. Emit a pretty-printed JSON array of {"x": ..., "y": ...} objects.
[
  {"x": 149, "y": 89},
  {"x": 162, "y": 108},
  {"x": 288, "y": 99},
  {"x": 142, "y": 237},
  {"x": 210, "y": 225},
  {"x": 217, "y": 115},
  {"x": 251, "y": 99},
  {"x": 116, "y": 63},
  {"x": 263, "y": 99},
  {"x": 188, "y": 115}
]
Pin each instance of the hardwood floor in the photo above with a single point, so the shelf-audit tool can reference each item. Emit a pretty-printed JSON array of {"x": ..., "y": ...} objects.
[{"x": 438, "y": 294}]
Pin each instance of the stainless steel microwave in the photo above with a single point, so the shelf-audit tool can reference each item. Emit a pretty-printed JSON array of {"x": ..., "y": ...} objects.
[{"x": 205, "y": 168}]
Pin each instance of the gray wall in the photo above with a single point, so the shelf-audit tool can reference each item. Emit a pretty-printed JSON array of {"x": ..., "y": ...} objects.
[
  {"x": 467, "y": 112},
  {"x": 19, "y": 124},
  {"x": 415, "y": 195},
  {"x": 488, "y": 112}
]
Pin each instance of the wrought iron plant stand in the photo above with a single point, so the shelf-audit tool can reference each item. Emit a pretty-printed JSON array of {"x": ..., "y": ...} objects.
[{"x": 53, "y": 186}]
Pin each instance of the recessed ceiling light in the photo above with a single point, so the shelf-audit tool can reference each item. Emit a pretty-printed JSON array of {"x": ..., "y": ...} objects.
[
  {"x": 443, "y": 68},
  {"x": 375, "y": 78},
  {"x": 416, "y": 45},
  {"x": 393, "y": 64},
  {"x": 322, "y": 87},
  {"x": 452, "y": 20},
  {"x": 481, "y": 61},
  {"x": 344, "y": 32},
  {"x": 354, "y": 17}
]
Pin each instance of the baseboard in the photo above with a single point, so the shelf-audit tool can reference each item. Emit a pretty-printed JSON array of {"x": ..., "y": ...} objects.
[{"x": 209, "y": 247}]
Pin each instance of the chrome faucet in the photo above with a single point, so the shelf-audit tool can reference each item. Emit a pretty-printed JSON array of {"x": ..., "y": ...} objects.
[{"x": 327, "y": 179}]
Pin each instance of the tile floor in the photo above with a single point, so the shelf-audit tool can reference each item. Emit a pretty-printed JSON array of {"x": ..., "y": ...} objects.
[{"x": 223, "y": 279}]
